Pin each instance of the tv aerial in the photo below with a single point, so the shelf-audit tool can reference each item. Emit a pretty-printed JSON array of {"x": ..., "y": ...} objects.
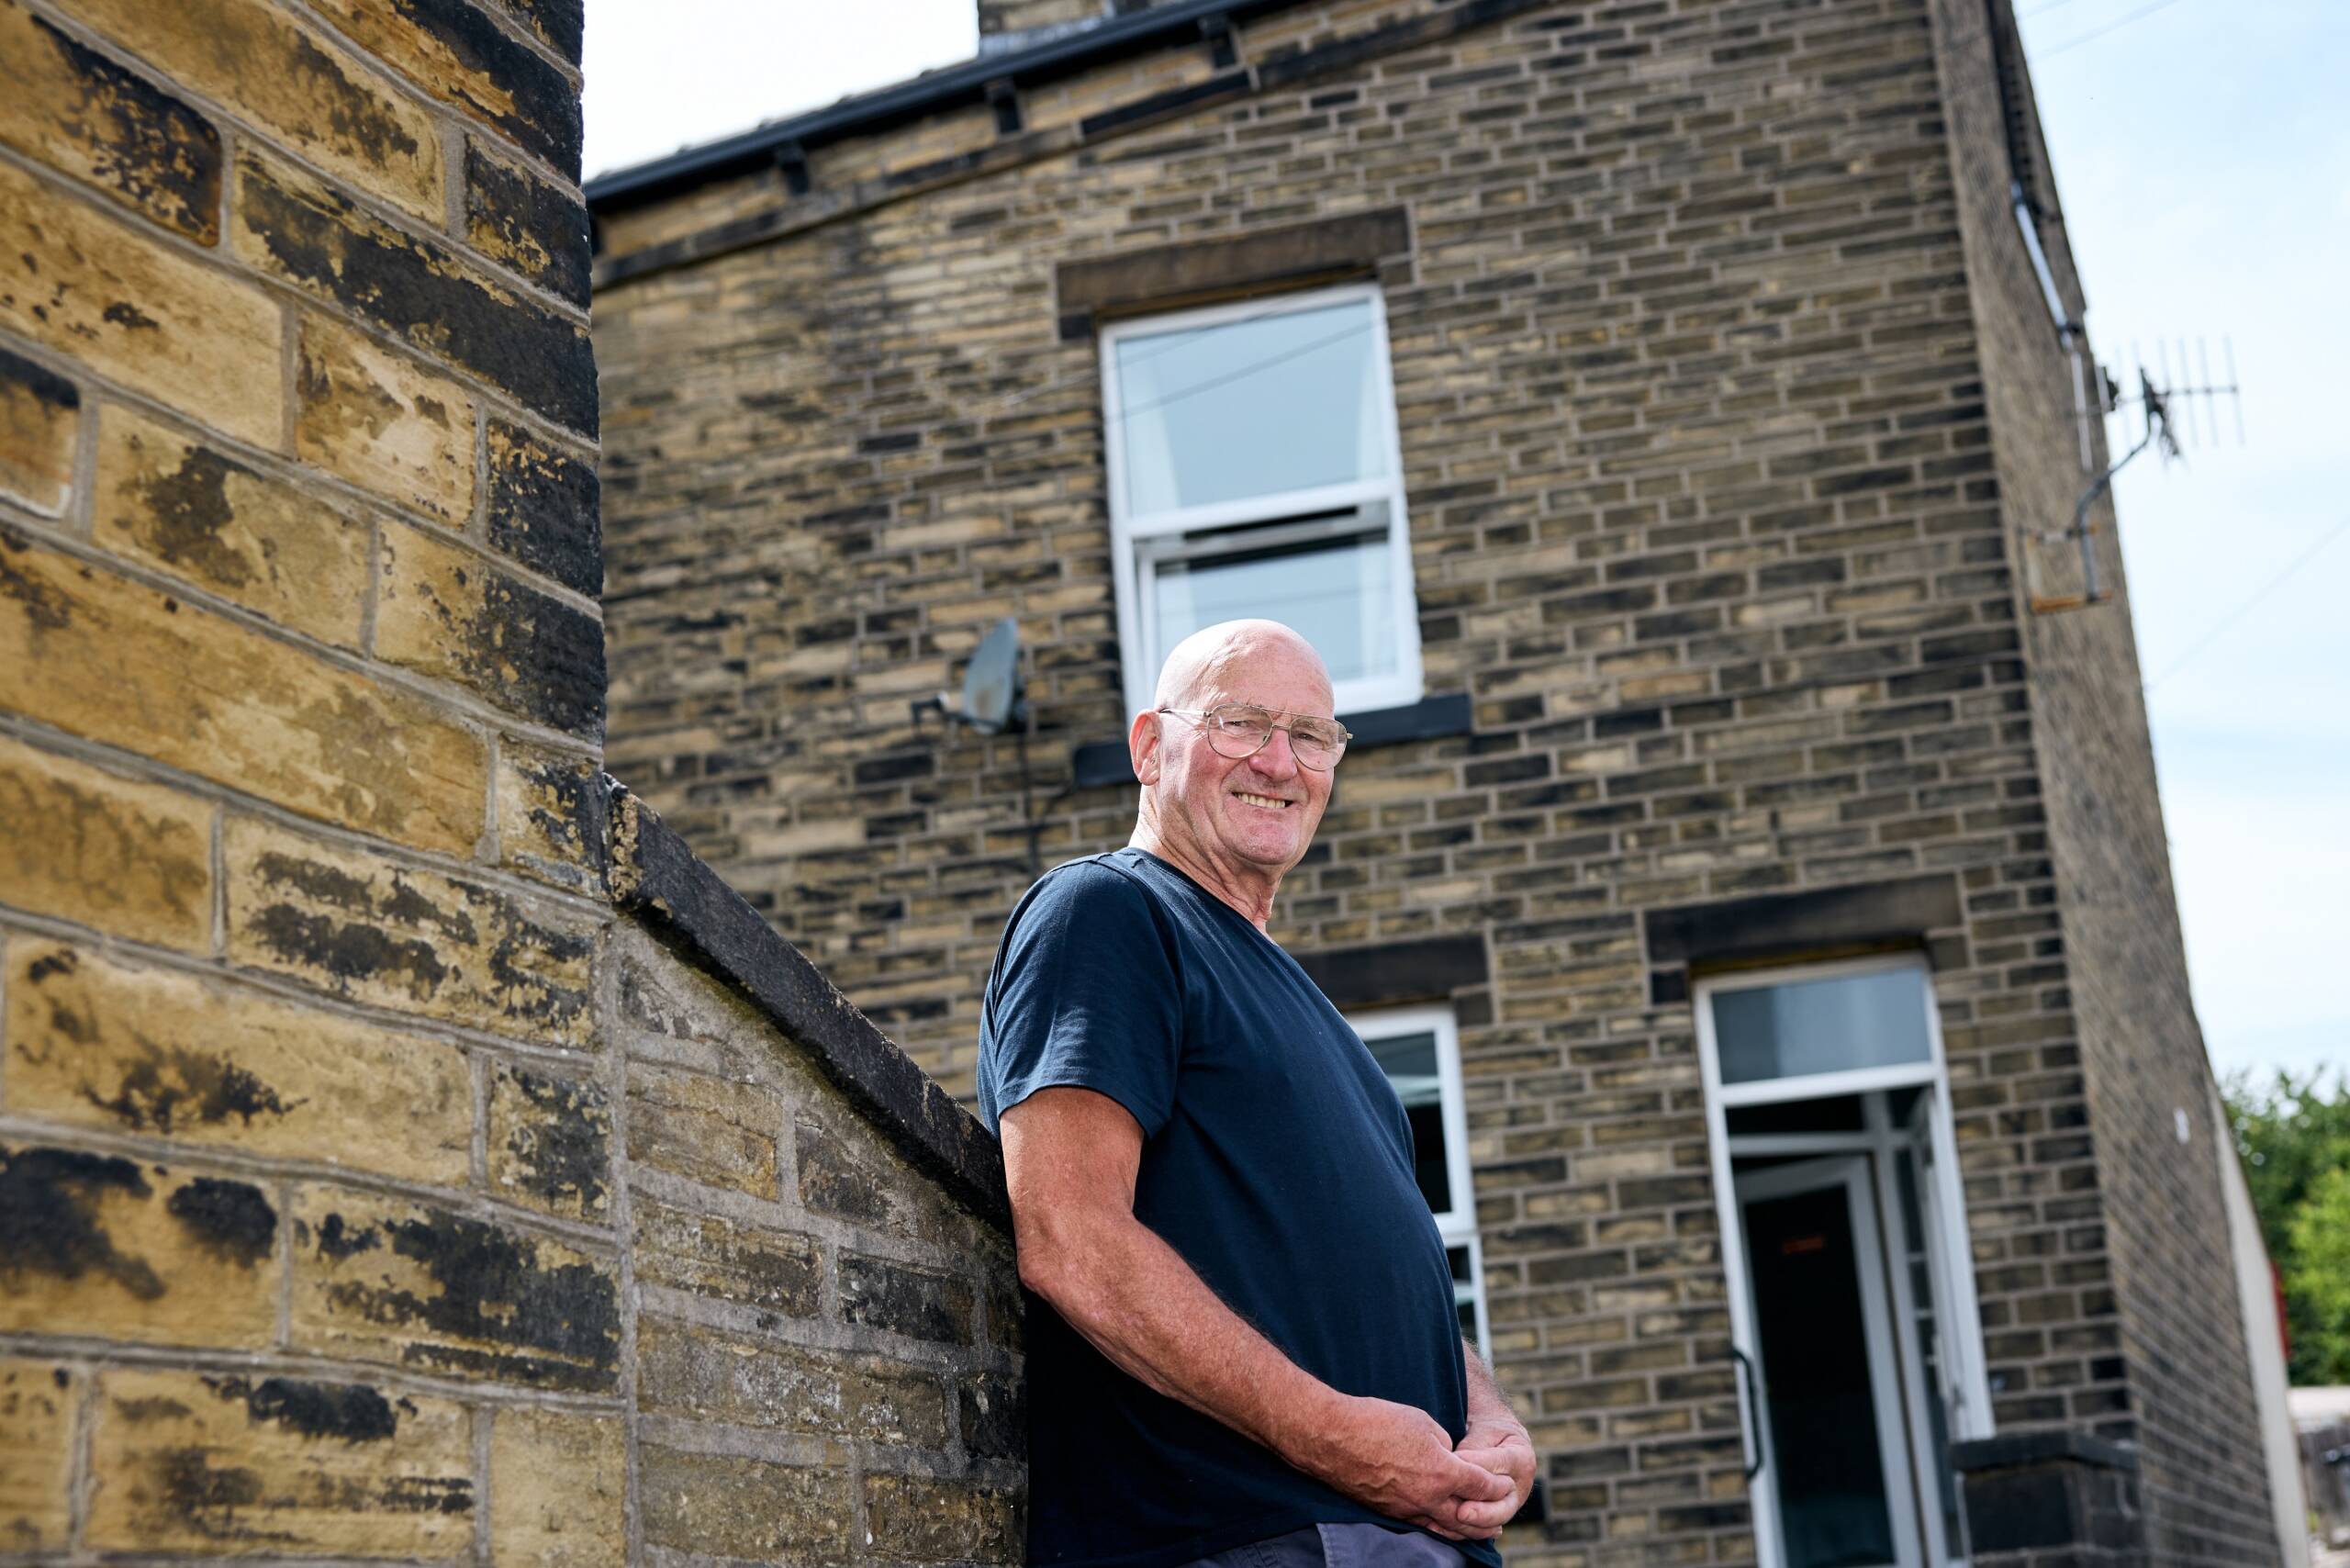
[{"x": 994, "y": 702}]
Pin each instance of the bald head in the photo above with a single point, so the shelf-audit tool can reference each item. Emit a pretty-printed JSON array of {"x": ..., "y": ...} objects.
[{"x": 1216, "y": 659}]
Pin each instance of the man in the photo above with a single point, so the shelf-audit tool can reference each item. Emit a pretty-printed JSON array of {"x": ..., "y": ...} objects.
[{"x": 1247, "y": 1349}]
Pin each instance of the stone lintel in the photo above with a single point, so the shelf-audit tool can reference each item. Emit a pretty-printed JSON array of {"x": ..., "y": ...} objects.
[{"x": 1200, "y": 270}]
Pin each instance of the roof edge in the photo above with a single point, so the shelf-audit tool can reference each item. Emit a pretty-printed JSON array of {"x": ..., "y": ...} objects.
[{"x": 748, "y": 151}]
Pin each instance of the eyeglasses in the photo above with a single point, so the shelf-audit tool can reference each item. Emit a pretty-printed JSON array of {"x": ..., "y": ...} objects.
[{"x": 1239, "y": 730}]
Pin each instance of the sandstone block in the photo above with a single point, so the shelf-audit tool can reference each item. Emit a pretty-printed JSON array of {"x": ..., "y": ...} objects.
[
  {"x": 443, "y": 610},
  {"x": 184, "y": 507},
  {"x": 77, "y": 111},
  {"x": 74, "y": 280},
  {"x": 296, "y": 83},
  {"x": 709, "y": 1254},
  {"x": 550, "y": 1143},
  {"x": 719, "y": 1504},
  {"x": 121, "y": 663},
  {"x": 708, "y": 1374},
  {"x": 95, "y": 1043},
  {"x": 711, "y": 1130},
  {"x": 403, "y": 937},
  {"x": 105, "y": 1245},
  {"x": 994, "y": 1415},
  {"x": 384, "y": 1279},
  {"x": 844, "y": 1173},
  {"x": 229, "y": 1465},
  {"x": 558, "y": 1488},
  {"x": 453, "y": 51},
  {"x": 132, "y": 859},
  {"x": 291, "y": 227},
  {"x": 549, "y": 815},
  {"x": 376, "y": 419},
  {"x": 914, "y": 1517},
  {"x": 39, "y": 416},
  {"x": 558, "y": 24},
  {"x": 544, "y": 508},
  {"x": 36, "y": 1455},
  {"x": 879, "y": 1293},
  {"x": 538, "y": 229}
]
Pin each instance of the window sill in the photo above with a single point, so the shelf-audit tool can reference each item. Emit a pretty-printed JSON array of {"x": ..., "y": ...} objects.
[{"x": 1431, "y": 717}]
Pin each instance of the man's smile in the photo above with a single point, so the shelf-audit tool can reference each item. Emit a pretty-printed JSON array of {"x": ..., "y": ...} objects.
[{"x": 1268, "y": 800}]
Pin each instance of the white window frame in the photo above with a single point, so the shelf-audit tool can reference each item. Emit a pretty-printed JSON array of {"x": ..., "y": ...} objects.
[
  {"x": 1457, "y": 1225},
  {"x": 1941, "y": 1203},
  {"x": 1139, "y": 545}
]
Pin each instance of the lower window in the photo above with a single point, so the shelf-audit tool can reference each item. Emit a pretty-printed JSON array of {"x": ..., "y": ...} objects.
[{"x": 1419, "y": 1049}]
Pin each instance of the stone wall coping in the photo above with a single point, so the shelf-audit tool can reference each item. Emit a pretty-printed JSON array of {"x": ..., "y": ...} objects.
[
  {"x": 2016, "y": 1450},
  {"x": 653, "y": 875}
]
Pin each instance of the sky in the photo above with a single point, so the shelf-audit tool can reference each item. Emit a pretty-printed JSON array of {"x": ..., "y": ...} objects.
[{"x": 2202, "y": 156}]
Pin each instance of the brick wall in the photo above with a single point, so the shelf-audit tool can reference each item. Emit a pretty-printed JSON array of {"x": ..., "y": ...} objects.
[
  {"x": 2190, "y": 1406},
  {"x": 397, "y": 1159},
  {"x": 1708, "y": 523}
]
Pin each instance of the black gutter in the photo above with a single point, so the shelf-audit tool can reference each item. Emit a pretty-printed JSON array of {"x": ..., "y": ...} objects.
[{"x": 751, "y": 150}]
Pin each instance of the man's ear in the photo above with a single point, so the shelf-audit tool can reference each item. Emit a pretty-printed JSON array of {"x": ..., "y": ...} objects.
[{"x": 1143, "y": 740}]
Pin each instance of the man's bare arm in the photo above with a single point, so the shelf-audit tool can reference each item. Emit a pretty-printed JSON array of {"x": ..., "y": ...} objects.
[
  {"x": 1070, "y": 1157},
  {"x": 1496, "y": 1440}
]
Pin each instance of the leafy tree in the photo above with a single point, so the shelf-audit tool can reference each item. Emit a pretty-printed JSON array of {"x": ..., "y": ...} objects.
[
  {"x": 2319, "y": 1278},
  {"x": 2294, "y": 1134}
]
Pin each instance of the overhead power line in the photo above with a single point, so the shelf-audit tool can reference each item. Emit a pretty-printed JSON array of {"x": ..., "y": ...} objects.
[{"x": 2241, "y": 610}]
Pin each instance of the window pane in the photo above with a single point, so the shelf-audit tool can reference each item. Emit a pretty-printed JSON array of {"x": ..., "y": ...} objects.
[
  {"x": 1464, "y": 1293},
  {"x": 1335, "y": 593},
  {"x": 1822, "y": 1025},
  {"x": 1409, "y": 1062},
  {"x": 1248, "y": 408}
]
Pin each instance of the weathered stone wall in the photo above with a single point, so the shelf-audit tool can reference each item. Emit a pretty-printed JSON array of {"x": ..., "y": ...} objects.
[
  {"x": 2189, "y": 1404},
  {"x": 373, "y": 1180},
  {"x": 1709, "y": 527}
]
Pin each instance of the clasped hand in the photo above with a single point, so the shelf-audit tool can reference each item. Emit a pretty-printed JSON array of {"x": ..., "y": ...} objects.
[{"x": 1398, "y": 1460}]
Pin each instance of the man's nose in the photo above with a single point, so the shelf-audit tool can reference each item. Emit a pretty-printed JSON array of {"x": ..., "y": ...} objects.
[{"x": 1276, "y": 758}]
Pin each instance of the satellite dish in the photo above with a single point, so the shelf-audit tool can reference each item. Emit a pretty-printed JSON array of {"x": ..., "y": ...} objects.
[{"x": 994, "y": 696}]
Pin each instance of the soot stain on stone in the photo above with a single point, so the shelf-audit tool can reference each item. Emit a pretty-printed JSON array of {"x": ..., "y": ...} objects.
[
  {"x": 424, "y": 294},
  {"x": 231, "y": 1220},
  {"x": 171, "y": 1087},
  {"x": 562, "y": 1151},
  {"x": 192, "y": 1490},
  {"x": 369, "y": 130},
  {"x": 339, "y": 1240},
  {"x": 493, "y": 1290},
  {"x": 536, "y": 653},
  {"x": 45, "y": 386},
  {"x": 46, "y": 608},
  {"x": 49, "y": 1217},
  {"x": 544, "y": 508},
  {"x": 188, "y": 512},
  {"x": 330, "y": 885},
  {"x": 426, "y": 1494},
  {"x": 161, "y": 153},
  {"x": 350, "y": 952},
  {"x": 62, "y": 962},
  {"x": 349, "y": 1413}
]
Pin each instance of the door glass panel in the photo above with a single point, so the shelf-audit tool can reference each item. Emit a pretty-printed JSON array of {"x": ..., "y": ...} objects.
[
  {"x": 1826, "y": 1451},
  {"x": 1338, "y": 594},
  {"x": 1821, "y": 1026},
  {"x": 1254, "y": 406},
  {"x": 1410, "y": 1063}
]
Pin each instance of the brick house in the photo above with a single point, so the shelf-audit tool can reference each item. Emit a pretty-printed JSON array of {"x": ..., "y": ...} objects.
[{"x": 1750, "y": 866}]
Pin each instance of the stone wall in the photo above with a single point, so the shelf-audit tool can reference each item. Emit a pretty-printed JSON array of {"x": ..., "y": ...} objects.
[
  {"x": 2189, "y": 1407},
  {"x": 1714, "y": 547},
  {"x": 401, "y": 1153}
]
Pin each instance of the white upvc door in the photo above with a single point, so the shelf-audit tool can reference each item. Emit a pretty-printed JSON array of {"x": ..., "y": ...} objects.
[{"x": 1835, "y": 1483}]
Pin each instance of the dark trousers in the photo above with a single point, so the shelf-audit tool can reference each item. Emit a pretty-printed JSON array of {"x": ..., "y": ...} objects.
[{"x": 1340, "y": 1546}]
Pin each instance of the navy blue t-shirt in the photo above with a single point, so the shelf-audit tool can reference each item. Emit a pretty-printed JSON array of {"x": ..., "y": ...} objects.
[{"x": 1276, "y": 1159}]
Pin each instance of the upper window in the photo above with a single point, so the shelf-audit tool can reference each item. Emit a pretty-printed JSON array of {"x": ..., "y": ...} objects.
[
  {"x": 1255, "y": 471},
  {"x": 1418, "y": 1049}
]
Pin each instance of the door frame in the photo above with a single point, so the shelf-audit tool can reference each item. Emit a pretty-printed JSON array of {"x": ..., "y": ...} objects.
[
  {"x": 1855, "y": 1174},
  {"x": 1943, "y": 1210}
]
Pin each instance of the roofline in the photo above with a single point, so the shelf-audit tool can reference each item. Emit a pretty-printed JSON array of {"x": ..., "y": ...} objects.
[{"x": 749, "y": 151}]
